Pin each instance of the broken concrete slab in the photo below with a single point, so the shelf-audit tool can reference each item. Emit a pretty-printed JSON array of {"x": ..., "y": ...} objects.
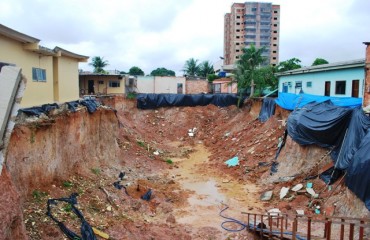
[
  {"x": 283, "y": 179},
  {"x": 297, "y": 187},
  {"x": 266, "y": 196},
  {"x": 10, "y": 94},
  {"x": 283, "y": 192}
]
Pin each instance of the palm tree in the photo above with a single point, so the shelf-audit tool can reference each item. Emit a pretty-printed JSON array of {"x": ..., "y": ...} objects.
[
  {"x": 191, "y": 67},
  {"x": 98, "y": 63},
  {"x": 205, "y": 68},
  {"x": 246, "y": 68}
]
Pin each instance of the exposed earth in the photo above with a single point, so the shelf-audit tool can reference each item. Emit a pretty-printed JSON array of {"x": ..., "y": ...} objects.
[{"x": 63, "y": 153}]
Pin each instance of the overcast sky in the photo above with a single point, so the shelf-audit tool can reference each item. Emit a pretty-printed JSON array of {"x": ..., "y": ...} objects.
[{"x": 165, "y": 33}]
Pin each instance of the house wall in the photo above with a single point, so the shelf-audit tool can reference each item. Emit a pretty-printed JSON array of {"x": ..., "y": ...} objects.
[
  {"x": 318, "y": 80},
  {"x": 36, "y": 93},
  {"x": 197, "y": 86},
  {"x": 66, "y": 79},
  {"x": 169, "y": 84},
  {"x": 150, "y": 84},
  {"x": 145, "y": 84},
  {"x": 226, "y": 87},
  {"x": 101, "y": 88},
  {"x": 366, "y": 101}
]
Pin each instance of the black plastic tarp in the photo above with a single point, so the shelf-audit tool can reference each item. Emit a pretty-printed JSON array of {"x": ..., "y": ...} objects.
[
  {"x": 357, "y": 129},
  {"x": 358, "y": 177},
  {"x": 152, "y": 101},
  {"x": 37, "y": 111},
  {"x": 267, "y": 109},
  {"x": 319, "y": 123}
]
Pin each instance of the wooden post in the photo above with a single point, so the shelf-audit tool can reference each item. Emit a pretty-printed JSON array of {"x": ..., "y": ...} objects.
[
  {"x": 248, "y": 222},
  {"x": 309, "y": 228},
  {"x": 328, "y": 230},
  {"x": 361, "y": 231},
  {"x": 282, "y": 227},
  {"x": 351, "y": 230},
  {"x": 270, "y": 223},
  {"x": 254, "y": 224},
  {"x": 261, "y": 228},
  {"x": 342, "y": 229},
  {"x": 294, "y": 232}
]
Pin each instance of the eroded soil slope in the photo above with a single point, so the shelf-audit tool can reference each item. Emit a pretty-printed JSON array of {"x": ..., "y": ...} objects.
[{"x": 63, "y": 153}]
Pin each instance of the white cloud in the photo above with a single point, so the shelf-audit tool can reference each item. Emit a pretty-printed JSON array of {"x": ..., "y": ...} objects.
[{"x": 165, "y": 33}]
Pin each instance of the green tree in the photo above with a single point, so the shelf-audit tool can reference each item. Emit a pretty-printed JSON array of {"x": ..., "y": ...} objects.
[
  {"x": 98, "y": 64},
  {"x": 191, "y": 67},
  {"x": 136, "y": 71},
  {"x": 212, "y": 77},
  {"x": 319, "y": 61},
  {"x": 246, "y": 69},
  {"x": 290, "y": 64},
  {"x": 162, "y": 72},
  {"x": 205, "y": 68},
  {"x": 266, "y": 78}
]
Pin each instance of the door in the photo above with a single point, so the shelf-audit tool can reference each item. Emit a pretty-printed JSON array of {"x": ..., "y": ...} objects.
[
  {"x": 355, "y": 88},
  {"x": 90, "y": 87},
  {"x": 327, "y": 88},
  {"x": 285, "y": 87}
]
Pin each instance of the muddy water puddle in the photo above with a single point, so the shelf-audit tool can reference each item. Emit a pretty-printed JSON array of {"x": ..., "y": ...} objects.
[{"x": 209, "y": 192}]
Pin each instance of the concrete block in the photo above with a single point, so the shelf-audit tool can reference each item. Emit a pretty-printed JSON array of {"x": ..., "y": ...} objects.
[{"x": 10, "y": 79}]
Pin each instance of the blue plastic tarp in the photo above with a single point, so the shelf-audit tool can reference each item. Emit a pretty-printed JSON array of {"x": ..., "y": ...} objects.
[{"x": 292, "y": 101}]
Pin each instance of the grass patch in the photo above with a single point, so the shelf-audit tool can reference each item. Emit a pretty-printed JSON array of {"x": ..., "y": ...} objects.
[
  {"x": 67, "y": 184},
  {"x": 131, "y": 95},
  {"x": 67, "y": 207},
  {"x": 38, "y": 195},
  {"x": 96, "y": 171},
  {"x": 169, "y": 161},
  {"x": 141, "y": 143}
]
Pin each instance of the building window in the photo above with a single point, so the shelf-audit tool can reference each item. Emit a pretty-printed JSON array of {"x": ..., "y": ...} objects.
[
  {"x": 38, "y": 75},
  {"x": 237, "y": 37},
  {"x": 275, "y": 18},
  {"x": 308, "y": 84},
  {"x": 275, "y": 31},
  {"x": 275, "y": 25},
  {"x": 114, "y": 84},
  {"x": 274, "y": 58},
  {"x": 273, "y": 51},
  {"x": 237, "y": 17},
  {"x": 275, "y": 11},
  {"x": 237, "y": 50},
  {"x": 237, "y": 43},
  {"x": 237, "y": 23},
  {"x": 101, "y": 82},
  {"x": 275, "y": 38},
  {"x": 237, "y": 57},
  {"x": 237, "y": 30},
  {"x": 274, "y": 45},
  {"x": 340, "y": 87}
]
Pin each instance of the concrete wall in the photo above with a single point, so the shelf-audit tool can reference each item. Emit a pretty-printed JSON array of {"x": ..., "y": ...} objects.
[
  {"x": 197, "y": 86},
  {"x": 366, "y": 101},
  {"x": 36, "y": 93},
  {"x": 318, "y": 80},
  {"x": 150, "y": 84},
  {"x": 145, "y": 84}
]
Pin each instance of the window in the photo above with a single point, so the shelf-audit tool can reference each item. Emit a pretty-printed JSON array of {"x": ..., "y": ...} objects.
[
  {"x": 237, "y": 17},
  {"x": 340, "y": 87},
  {"x": 114, "y": 84},
  {"x": 237, "y": 30},
  {"x": 237, "y": 43},
  {"x": 237, "y": 50},
  {"x": 274, "y": 58},
  {"x": 275, "y": 25},
  {"x": 101, "y": 82},
  {"x": 237, "y": 37},
  {"x": 275, "y": 11},
  {"x": 275, "y": 38},
  {"x": 273, "y": 51},
  {"x": 38, "y": 75},
  {"x": 275, "y": 18},
  {"x": 308, "y": 84},
  {"x": 275, "y": 31},
  {"x": 237, "y": 57},
  {"x": 298, "y": 84},
  {"x": 237, "y": 23}
]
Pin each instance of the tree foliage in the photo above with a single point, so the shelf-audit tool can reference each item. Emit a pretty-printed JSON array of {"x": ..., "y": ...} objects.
[
  {"x": 212, "y": 77},
  {"x": 205, "y": 68},
  {"x": 98, "y": 64},
  {"x": 136, "y": 71},
  {"x": 246, "y": 73},
  {"x": 289, "y": 64},
  {"x": 162, "y": 72},
  {"x": 319, "y": 61},
  {"x": 191, "y": 67}
]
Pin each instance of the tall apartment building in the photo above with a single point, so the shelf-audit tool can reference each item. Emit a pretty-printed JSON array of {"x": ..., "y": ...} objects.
[{"x": 252, "y": 23}]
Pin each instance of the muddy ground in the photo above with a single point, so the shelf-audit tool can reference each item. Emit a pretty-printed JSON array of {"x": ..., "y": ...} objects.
[{"x": 187, "y": 175}]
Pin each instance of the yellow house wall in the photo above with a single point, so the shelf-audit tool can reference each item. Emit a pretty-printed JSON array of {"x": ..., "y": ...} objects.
[
  {"x": 66, "y": 82},
  {"x": 102, "y": 88},
  {"x": 36, "y": 93}
]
